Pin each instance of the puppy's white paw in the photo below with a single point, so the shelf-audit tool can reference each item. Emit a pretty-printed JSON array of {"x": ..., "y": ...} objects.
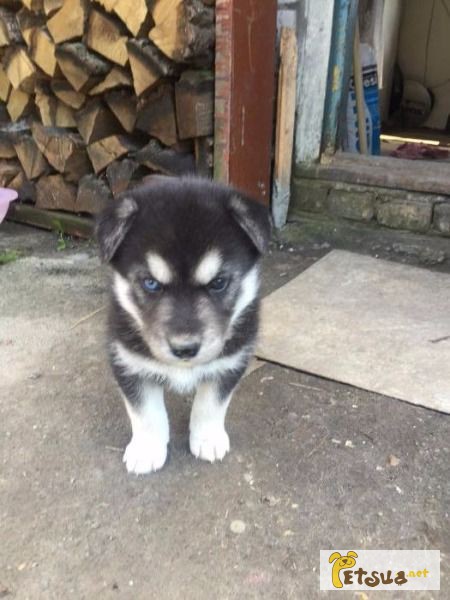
[
  {"x": 145, "y": 454},
  {"x": 209, "y": 443}
]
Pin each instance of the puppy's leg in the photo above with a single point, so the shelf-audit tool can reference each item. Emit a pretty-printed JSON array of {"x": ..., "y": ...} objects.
[
  {"x": 208, "y": 439},
  {"x": 147, "y": 450}
]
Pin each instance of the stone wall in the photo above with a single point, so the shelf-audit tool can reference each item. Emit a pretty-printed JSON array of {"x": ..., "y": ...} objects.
[{"x": 397, "y": 209}]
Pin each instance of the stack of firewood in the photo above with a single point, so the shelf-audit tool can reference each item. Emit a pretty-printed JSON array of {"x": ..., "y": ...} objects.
[{"x": 94, "y": 95}]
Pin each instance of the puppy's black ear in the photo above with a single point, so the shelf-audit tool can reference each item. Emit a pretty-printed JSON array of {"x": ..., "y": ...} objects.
[
  {"x": 253, "y": 217},
  {"x": 113, "y": 224}
]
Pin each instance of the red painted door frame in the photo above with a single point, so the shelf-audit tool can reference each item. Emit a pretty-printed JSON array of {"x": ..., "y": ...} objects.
[{"x": 245, "y": 93}]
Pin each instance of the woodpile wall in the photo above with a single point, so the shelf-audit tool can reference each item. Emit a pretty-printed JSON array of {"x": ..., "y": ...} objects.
[{"x": 94, "y": 95}]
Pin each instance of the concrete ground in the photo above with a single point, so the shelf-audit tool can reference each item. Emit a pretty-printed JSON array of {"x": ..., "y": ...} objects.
[{"x": 314, "y": 464}]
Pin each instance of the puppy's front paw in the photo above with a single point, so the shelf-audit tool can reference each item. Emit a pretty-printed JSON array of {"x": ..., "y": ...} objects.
[
  {"x": 144, "y": 455},
  {"x": 209, "y": 443}
]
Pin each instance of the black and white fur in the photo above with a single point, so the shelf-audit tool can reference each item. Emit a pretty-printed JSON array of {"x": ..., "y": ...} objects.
[{"x": 173, "y": 244}]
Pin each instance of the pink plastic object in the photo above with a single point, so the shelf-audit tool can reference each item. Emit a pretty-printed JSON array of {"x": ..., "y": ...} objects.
[{"x": 6, "y": 196}]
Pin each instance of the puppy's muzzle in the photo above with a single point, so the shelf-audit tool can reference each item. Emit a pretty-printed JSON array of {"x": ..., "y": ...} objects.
[{"x": 184, "y": 350}]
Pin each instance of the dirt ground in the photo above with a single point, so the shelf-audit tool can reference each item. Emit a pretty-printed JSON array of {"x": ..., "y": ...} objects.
[{"x": 309, "y": 467}]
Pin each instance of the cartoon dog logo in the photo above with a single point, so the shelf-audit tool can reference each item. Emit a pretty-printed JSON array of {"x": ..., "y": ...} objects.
[{"x": 342, "y": 562}]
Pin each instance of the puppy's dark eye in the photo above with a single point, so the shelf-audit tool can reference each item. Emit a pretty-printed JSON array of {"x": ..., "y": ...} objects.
[
  {"x": 151, "y": 285},
  {"x": 218, "y": 284}
]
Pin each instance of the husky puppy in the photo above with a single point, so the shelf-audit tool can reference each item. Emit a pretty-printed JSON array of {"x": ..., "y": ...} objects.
[{"x": 185, "y": 257}]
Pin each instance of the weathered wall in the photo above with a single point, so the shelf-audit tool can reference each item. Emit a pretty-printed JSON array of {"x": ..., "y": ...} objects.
[{"x": 398, "y": 209}]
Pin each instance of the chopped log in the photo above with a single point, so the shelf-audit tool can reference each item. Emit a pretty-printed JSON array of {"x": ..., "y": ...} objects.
[
  {"x": 8, "y": 170},
  {"x": 136, "y": 16},
  {"x": 156, "y": 115},
  {"x": 65, "y": 92},
  {"x": 20, "y": 70},
  {"x": 30, "y": 157},
  {"x": 147, "y": 64},
  {"x": 108, "y": 5},
  {"x": 104, "y": 152},
  {"x": 53, "y": 112},
  {"x": 116, "y": 78},
  {"x": 123, "y": 105},
  {"x": 9, "y": 28},
  {"x": 167, "y": 33},
  {"x": 51, "y": 6},
  {"x": 53, "y": 193},
  {"x": 5, "y": 85},
  {"x": 119, "y": 174},
  {"x": 34, "y": 5},
  {"x": 14, "y": 131},
  {"x": 69, "y": 22},
  {"x": 65, "y": 151},
  {"x": 19, "y": 104},
  {"x": 42, "y": 51},
  {"x": 81, "y": 68},
  {"x": 194, "y": 94},
  {"x": 96, "y": 122},
  {"x": 93, "y": 195},
  {"x": 104, "y": 36},
  {"x": 7, "y": 149},
  {"x": 184, "y": 30},
  {"x": 204, "y": 156},
  {"x": 26, "y": 189},
  {"x": 29, "y": 21},
  {"x": 165, "y": 160},
  {"x": 13, "y": 5}
]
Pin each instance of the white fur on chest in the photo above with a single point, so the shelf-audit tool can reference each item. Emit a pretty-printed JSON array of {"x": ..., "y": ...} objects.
[{"x": 180, "y": 379}]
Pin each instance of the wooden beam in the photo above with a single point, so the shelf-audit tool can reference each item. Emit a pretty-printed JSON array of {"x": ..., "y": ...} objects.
[
  {"x": 58, "y": 221},
  {"x": 287, "y": 80},
  {"x": 244, "y": 96},
  {"x": 314, "y": 37}
]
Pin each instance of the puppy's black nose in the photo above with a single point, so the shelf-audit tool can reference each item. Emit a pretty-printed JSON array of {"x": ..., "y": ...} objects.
[{"x": 185, "y": 350}]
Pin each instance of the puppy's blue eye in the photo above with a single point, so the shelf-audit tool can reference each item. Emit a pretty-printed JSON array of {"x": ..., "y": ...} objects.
[
  {"x": 218, "y": 284},
  {"x": 151, "y": 285}
]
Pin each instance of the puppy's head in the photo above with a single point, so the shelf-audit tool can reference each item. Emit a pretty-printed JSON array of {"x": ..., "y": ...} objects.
[{"x": 184, "y": 254}]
